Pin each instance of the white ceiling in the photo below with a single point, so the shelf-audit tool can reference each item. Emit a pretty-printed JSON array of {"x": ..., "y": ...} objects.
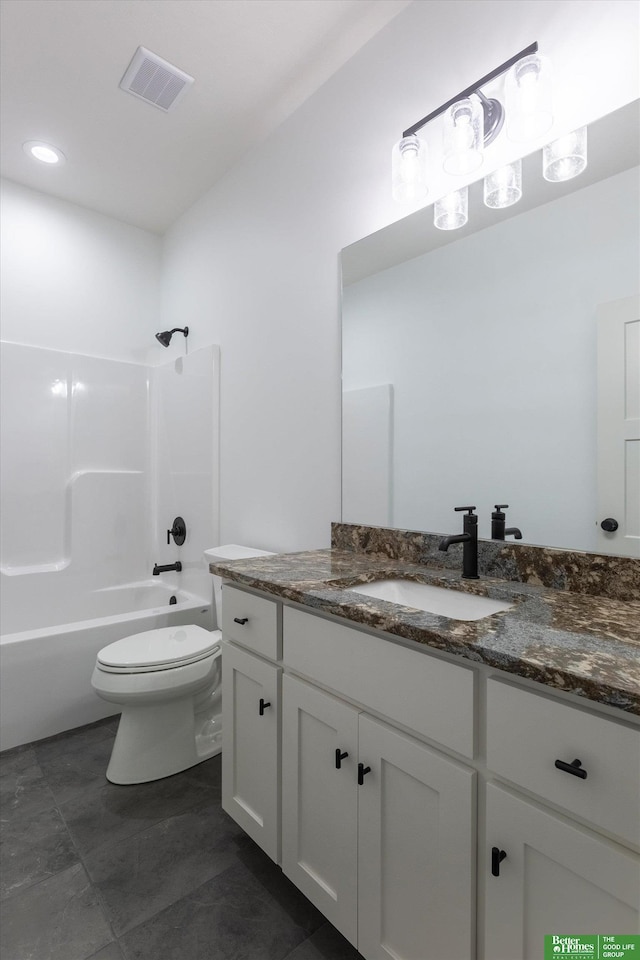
[{"x": 254, "y": 63}]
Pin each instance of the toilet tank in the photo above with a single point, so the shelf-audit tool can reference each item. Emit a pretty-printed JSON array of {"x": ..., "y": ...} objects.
[{"x": 228, "y": 551}]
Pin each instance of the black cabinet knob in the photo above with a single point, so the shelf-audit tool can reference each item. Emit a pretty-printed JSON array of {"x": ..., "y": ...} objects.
[
  {"x": 497, "y": 856},
  {"x": 575, "y": 767},
  {"x": 241, "y": 620},
  {"x": 263, "y": 706},
  {"x": 610, "y": 525},
  {"x": 362, "y": 771},
  {"x": 340, "y": 757}
]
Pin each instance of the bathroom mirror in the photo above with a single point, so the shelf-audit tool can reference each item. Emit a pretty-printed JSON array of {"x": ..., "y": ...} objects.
[{"x": 470, "y": 356}]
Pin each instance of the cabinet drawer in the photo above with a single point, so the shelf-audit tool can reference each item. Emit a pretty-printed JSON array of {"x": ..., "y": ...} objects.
[
  {"x": 527, "y": 733},
  {"x": 428, "y": 695},
  {"x": 251, "y": 622}
]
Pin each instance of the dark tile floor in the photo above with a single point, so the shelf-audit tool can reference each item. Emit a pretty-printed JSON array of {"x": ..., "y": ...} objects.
[{"x": 94, "y": 871}]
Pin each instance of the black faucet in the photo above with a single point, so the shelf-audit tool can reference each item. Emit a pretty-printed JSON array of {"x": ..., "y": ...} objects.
[
  {"x": 498, "y": 529},
  {"x": 177, "y": 566},
  {"x": 470, "y": 540}
]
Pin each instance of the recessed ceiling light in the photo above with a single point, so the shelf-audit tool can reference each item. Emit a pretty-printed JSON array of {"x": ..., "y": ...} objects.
[{"x": 44, "y": 152}]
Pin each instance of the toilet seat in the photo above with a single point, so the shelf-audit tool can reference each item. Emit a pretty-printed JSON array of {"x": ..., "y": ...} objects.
[{"x": 163, "y": 649}]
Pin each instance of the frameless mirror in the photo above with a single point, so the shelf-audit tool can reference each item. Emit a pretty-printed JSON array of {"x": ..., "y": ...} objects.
[{"x": 470, "y": 357}]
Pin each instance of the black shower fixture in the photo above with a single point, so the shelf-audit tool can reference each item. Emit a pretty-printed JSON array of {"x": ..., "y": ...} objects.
[{"x": 165, "y": 336}]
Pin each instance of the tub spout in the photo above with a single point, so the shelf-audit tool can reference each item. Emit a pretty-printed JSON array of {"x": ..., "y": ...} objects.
[{"x": 177, "y": 566}]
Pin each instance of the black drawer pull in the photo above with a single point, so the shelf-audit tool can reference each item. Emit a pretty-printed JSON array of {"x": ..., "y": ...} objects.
[
  {"x": 362, "y": 771},
  {"x": 340, "y": 757},
  {"x": 497, "y": 856},
  {"x": 263, "y": 705},
  {"x": 241, "y": 620},
  {"x": 575, "y": 768}
]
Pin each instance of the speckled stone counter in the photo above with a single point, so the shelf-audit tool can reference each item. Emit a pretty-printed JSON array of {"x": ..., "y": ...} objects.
[{"x": 586, "y": 644}]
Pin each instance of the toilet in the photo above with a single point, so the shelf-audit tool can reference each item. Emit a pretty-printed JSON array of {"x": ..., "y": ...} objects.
[{"x": 167, "y": 685}]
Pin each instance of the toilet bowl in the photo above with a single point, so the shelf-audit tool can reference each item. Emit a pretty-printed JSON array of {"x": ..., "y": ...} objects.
[{"x": 167, "y": 683}]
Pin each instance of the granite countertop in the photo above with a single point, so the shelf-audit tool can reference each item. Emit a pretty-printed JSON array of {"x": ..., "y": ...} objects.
[{"x": 586, "y": 645}]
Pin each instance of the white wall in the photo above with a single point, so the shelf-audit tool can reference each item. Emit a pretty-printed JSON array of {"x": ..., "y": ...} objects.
[
  {"x": 75, "y": 280},
  {"x": 253, "y": 265},
  {"x": 490, "y": 344}
]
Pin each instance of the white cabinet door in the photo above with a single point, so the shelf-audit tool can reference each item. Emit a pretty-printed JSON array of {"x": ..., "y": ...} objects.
[
  {"x": 416, "y": 868},
  {"x": 250, "y": 755},
  {"x": 555, "y": 878},
  {"x": 319, "y": 800}
]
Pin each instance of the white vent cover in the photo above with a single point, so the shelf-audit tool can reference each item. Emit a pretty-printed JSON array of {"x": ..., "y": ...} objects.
[{"x": 155, "y": 80}]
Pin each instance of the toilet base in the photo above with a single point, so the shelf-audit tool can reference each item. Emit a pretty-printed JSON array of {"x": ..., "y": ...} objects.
[{"x": 156, "y": 741}]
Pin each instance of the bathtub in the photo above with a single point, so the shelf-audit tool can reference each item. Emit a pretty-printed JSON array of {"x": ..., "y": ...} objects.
[{"x": 45, "y": 670}]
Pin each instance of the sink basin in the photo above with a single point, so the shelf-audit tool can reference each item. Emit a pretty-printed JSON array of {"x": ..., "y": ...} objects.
[{"x": 439, "y": 600}]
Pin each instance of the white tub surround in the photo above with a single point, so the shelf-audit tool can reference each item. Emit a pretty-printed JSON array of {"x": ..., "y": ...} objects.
[{"x": 98, "y": 457}]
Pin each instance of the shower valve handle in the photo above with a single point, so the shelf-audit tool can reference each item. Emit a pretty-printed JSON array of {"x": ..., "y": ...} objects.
[{"x": 178, "y": 532}]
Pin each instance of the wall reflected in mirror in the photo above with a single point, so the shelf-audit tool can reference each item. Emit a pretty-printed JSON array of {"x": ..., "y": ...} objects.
[{"x": 469, "y": 361}]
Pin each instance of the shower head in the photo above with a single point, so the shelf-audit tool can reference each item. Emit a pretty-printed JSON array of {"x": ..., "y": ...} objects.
[{"x": 165, "y": 337}]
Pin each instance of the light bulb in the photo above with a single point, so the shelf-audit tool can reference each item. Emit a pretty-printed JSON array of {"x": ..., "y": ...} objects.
[
  {"x": 463, "y": 137},
  {"x": 528, "y": 98},
  {"x": 409, "y": 169}
]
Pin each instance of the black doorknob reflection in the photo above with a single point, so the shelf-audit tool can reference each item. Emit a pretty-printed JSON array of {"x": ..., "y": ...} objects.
[{"x": 610, "y": 525}]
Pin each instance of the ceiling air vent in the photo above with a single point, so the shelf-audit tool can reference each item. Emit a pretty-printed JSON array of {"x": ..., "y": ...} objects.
[{"x": 153, "y": 79}]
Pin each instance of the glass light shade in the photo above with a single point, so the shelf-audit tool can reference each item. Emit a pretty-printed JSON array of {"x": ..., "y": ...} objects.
[
  {"x": 409, "y": 169},
  {"x": 452, "y": 211},
  {"x": 528, "y": 98},
  {"x": 463, "y": 137},
  {"x": 566, "y": 157},
  {"x": 503, "y": 187}
]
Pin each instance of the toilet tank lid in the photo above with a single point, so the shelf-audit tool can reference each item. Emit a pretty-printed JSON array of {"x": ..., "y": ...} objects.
[
  {"x": 159, "y": 647},
  {"x": 233, "y": 551}
]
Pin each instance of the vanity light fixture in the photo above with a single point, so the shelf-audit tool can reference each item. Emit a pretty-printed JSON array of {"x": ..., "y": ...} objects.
[
  {"x": 44, "y": 152},
  {"x": 472, "y": 122}
]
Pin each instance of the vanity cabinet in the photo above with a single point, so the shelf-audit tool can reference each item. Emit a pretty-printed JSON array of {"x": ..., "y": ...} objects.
[
  {"x": 377, "y": 829},
  {"x": 391, "y": 860}
]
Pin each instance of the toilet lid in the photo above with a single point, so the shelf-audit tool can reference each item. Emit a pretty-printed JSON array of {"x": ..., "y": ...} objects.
[{"x": 160, "y": 648}]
